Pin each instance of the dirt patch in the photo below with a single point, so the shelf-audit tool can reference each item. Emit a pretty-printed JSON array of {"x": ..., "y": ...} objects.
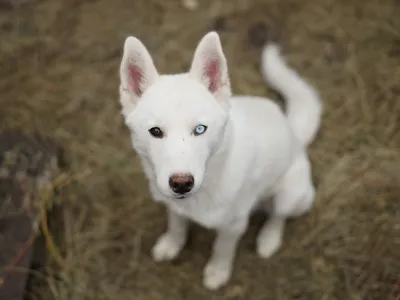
[{"x": 59, "y": 64}]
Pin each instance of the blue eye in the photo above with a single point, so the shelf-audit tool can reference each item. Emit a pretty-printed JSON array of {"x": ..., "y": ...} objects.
[{"x": 200, "y": 129}]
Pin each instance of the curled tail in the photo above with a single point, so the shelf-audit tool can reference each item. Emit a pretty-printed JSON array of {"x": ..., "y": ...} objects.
[{"x": 304, "y": 106}]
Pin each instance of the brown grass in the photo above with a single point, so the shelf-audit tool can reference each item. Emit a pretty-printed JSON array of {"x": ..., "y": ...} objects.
[{"x": 59, "y": 63}]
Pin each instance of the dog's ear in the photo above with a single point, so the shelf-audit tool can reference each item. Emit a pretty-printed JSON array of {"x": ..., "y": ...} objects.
[
  {"x": 210, "y": 67},
  {"x": 137, "y": 73}
]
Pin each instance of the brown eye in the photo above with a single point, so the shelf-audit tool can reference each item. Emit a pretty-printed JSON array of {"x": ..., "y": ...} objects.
[{"x": 156, "y": 132}]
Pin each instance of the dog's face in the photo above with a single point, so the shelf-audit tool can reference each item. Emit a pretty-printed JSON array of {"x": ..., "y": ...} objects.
[{"x": 176, "y": 121}]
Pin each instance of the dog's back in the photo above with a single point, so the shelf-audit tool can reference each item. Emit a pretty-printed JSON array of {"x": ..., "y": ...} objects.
[{"x": 267, "y": 140}]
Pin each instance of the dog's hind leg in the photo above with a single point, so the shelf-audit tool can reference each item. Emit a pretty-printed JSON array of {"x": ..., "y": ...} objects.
[{"x": 294, "y": 196}]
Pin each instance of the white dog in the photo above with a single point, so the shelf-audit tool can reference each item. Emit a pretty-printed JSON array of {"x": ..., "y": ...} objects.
[{"x": 213, "y": 158}]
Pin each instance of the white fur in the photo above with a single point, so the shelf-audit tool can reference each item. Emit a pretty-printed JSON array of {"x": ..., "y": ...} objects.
[{"x": 250, "y": 152}]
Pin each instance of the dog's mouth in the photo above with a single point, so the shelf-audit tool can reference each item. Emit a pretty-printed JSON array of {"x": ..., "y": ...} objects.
[
  {"x": 174, "y": 196},
  {"x": 182, "y": 197}
]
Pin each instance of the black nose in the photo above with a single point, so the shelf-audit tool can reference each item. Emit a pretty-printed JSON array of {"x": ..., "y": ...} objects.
[{"x": 181, "y": 183}]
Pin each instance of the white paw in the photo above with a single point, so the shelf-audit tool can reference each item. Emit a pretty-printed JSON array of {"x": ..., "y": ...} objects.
[
  {"x": 215, "y": 276},
  {"x": 166, "y": 248},
  {"x": 268, "y": 243}
]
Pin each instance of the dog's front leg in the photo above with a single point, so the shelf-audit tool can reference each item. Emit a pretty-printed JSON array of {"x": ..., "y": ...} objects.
[
  {"x": 170, "y": 244},
  {"x": 219, "y": 267}
]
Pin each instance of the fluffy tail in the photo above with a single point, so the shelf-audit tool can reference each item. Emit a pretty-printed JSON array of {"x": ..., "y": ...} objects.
[{"x": 304, "y": 106}]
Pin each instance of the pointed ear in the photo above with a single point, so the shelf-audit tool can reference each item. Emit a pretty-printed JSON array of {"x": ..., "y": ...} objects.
[
  {"x": 137, "y": 73},
  {"x": 209, "y": 66}
]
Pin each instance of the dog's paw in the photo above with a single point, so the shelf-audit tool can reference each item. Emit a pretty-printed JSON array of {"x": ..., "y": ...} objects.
[
  {"x": 166, "y": 248},
  {"x": 268, "y": 243},
  {"x": 215, "y": 276}
]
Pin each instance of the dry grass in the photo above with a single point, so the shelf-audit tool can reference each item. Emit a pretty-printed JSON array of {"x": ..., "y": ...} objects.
[{"x": 59, "y": 62}]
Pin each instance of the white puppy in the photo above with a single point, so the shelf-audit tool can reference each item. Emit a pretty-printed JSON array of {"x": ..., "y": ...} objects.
[{"x": 213, "y": 158}]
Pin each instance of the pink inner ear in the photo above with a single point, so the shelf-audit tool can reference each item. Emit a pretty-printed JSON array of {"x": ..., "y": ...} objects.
[
  {"x": 135, "y": 80},
  {"x": 213, "y": 73}
]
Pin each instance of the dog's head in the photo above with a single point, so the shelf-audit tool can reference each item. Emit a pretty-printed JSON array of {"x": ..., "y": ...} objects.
[{"x": 176, "y": 121}]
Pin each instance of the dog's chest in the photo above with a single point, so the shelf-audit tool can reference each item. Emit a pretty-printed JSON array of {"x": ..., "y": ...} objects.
[
  {"x": 208, "y": 216},
  {"x": 209, "y": 219}
]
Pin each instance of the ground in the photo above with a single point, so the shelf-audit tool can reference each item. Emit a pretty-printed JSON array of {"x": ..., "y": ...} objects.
[{"x": 59, "y": 76}]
